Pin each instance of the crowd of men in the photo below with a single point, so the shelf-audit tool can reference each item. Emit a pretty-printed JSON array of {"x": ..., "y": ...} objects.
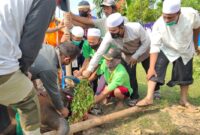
[{"x": 105, "y": 51}]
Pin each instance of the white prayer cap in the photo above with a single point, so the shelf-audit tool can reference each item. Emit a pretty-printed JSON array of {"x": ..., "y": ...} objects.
[
  {"x": 94, "y": 32},
  {"x": 114, "y": 20},
  {"x": 171, "y": 6},
  {"x": 77, "y": 31}
]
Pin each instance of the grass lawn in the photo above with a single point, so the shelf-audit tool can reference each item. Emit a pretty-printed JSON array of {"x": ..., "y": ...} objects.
[{"x": 154, "y": 121}]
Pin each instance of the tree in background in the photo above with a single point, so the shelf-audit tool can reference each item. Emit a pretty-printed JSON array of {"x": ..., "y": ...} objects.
[
  {"x": 191, "y": 3},
  {"x": 121, "y": 7},
  {"x": 144, "y": 11},
  {"x": 98, "y": 7}
]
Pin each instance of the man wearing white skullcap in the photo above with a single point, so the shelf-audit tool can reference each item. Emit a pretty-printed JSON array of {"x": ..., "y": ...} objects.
[
  {"x": 94, "y": 40},
  {"x": 77, "y": 39},
  {"x": 134, "y": 42},
  {"x": 174, "y": 39},
  {"x": 88, "y": 51}
]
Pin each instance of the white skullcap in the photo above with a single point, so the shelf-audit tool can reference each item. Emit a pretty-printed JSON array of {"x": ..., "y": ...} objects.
[
  {"x": 94, "y": 32},
  {"x": 171, "y": 6},
  {"x": 114, "y": 20},
  {"x": 77, "y": 31}
]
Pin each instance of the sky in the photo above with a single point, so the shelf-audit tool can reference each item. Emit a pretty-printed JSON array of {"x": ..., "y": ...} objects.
[{"x": 73, "y": 7}]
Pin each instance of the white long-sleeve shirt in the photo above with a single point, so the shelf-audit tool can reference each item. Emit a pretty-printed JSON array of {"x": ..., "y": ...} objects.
[
  {"x": 176, "y": 41},
  {"x": 12, "y": 17},
  {"x": 135, "y": 43}
]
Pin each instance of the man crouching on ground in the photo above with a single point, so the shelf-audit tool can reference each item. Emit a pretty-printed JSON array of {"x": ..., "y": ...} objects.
[{"x": 116, "y": 76}]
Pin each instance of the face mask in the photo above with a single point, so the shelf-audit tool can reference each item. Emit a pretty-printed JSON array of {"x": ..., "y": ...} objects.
[
  {"x": 95, "y": 47},
  {"x": 113, "y": 64},
  {"x": 115, "y": 35},
  {"x": 171, "y": 23},
  {"x": 76, "y": 43},
  {"x": 83, "y": 14}
]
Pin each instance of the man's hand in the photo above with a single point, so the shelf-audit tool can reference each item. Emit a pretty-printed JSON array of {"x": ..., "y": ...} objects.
[
  {"x": 41, "y": 92},
  {"x": 68, "y": 21},
  {"x": 132, "y": 62},
  {"x": 65, "y": 38},
  {"x": 86, "y": 74},
  {"x": 64, "y": 112},
  {"x": 29, "y": 75},
  {"x": 151, "y": 73},
  {"x": 77, "y": 73},
  {"x": 61, "y": 25}
]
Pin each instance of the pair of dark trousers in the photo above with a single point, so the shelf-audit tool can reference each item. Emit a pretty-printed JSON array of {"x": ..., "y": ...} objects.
[{"x": 133, "y": 77}]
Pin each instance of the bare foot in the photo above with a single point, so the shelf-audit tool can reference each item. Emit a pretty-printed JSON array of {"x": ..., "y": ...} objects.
[
  {"x": 189, "y": 106},
  {"x": 105, "y": 101},
  {"x": 144, "y": 102}
]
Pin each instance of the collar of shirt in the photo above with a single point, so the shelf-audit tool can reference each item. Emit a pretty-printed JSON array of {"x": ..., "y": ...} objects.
[{"x": 126, "y": 37}]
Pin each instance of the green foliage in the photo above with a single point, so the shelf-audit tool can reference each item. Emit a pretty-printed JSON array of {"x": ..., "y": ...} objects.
[
  {"x": 128, "y": 2},
  {"x": 98, "y": 8},
  {"x": 140, "y": 11},
  {"x": 191, "y": 3},
  {"x": 196, "y": 67},
  {"x": 82, "y": 101},
  {"x": 121, "y": 6}
]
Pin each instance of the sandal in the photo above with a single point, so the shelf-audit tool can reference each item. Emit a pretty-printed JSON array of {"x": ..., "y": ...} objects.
[{"x": 144, "y": 102}]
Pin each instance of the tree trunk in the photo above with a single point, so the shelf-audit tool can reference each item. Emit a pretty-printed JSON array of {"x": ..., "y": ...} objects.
[{"x": 84, "y": 125}]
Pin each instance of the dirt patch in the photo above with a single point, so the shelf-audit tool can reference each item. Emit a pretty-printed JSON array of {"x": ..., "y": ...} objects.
[
  {"x": 187, "y": 120},
  {"x": 172, "y": 120}
]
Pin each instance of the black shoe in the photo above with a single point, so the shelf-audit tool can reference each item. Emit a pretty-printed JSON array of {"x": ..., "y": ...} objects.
[
  {"x": 156, "y": 95},
  {"x": 96, "y": 110},
  {"x": 132, "y": 102}
]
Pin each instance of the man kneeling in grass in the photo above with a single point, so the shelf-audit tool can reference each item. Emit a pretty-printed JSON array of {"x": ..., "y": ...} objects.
[{"x": 116, "y": 76}]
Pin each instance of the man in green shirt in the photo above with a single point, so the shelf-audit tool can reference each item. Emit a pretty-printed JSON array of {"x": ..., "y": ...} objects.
[
  {"x": 89, "y": 49},
  {"x": 116, "y": 76}
]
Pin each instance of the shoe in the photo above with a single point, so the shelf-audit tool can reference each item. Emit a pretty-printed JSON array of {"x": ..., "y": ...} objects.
[
  {"x": 132, "y": 102},
  {"x": 156, "y": 95},
  {"x": 96, "y": 110}
]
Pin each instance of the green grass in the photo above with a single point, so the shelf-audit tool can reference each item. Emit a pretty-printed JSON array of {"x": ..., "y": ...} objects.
[{"x": 170, "y": 95}]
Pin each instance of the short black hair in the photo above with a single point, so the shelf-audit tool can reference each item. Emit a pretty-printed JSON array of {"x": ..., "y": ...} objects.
[
  {"x": 69, "y": 50},
  {"x": 114, "y": 7},
  {"x": 84, "y": 3}
]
